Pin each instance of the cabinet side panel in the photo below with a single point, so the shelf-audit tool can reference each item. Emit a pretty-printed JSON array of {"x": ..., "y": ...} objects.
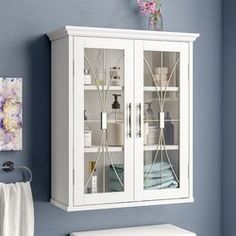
[
  {"x": 60, "y": 121},
  {"x": 190, "y": 119}
]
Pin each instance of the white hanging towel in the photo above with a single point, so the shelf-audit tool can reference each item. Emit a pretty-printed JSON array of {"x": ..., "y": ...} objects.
[{"x": 16, "y": 210}]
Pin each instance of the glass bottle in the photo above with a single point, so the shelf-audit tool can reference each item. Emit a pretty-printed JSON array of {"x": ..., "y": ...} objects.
[
  {"x": 169, "y": 130},
  {"x": 148, "y": 115},
  {"x": 87, "y": 132},
  {"x": 115, "y": 132}
]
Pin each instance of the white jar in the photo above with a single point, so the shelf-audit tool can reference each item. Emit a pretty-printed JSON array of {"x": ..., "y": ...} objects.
[
  {"x": 161, "y": 79},
  {"x": 145, "y": 133},
  {"x": 101, "y": 76},
  {"x": 115, "y": 134},
  {"x": 153, "y": 134},
  {"x": 161, "y": 70},
  {"x": 87, "y": 77},
  {"x": 87, "y": 138}
]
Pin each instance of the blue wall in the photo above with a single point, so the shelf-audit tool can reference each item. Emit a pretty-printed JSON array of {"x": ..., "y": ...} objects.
[
  {"x": 229, "y": 117},
  {"x": 25, "y": 51}
]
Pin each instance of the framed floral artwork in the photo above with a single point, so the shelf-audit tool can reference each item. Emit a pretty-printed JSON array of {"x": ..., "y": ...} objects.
[{"x": 10, "y": 114}]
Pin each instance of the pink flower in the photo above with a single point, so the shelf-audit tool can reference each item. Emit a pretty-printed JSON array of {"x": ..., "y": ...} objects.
[{"x": 149, "y": 7}]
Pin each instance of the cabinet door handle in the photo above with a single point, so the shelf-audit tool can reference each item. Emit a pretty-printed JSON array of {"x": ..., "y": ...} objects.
[
  {"x": 130, "y": 120},
  {"x": 139, "y": 120}
]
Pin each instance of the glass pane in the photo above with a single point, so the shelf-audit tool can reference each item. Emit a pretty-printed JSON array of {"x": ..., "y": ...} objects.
[
  {"x": 161, "y": 120},
  {"x": 104, "y": 120},
  {"x": 162, "y": 174}
]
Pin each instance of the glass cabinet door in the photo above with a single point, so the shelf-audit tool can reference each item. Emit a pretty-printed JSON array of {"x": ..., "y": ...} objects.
[
  {"x": 162, "y": 120},
  {"x": 102, "y": 119}
]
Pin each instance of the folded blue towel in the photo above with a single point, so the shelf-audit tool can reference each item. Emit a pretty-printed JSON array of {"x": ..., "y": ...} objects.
[
  {"x": 119, "y": 170},
  {"x": 113, "y": 176},
  {"x": 148, "y": 183},
  {"x": 166, "y": 185},
  {"x": 115, "y": 186},
  {"x": 157, "y": 167},
  {"x": 164, "y": 173},
  {"x": 118, "y": 167},
  {"x": 154, "y": 182}
]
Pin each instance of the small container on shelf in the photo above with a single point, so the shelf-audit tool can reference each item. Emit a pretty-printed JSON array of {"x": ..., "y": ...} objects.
[
  {"x": 153, "y": 134},
  {"x": 151, "y": 130},
  {"x": 87, "y": 132},
  {"x": 101, "y": 76},
  {"x": 93, "y": 187},
  {"x": 145, "y": 133},
  {"x": 145, "y": 125},
  {"x": 87, "y": 77},
  {"x": 161, "y": 80},
  {"x": 161, "y": 76},
  {"x": 115, "y": 76},
  {"x": 161, "y": 70}
]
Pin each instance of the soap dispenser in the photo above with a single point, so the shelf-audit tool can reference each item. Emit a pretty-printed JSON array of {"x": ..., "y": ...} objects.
[{"x": 115, "y": 132}]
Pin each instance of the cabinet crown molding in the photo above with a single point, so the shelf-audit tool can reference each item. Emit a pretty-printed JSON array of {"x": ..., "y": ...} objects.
[{"x": 121, "y": 34}]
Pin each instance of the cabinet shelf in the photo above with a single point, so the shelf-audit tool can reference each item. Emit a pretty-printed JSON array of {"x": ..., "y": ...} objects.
[
  {"x": 94, "y": 149},
  {"x": 153, "y": 89},
  {"x": 154, "y": 147},
  {"x": 94, "y": 88},
  {"x": 99, "y": 121},
  {"x": 172, "y": 120}
]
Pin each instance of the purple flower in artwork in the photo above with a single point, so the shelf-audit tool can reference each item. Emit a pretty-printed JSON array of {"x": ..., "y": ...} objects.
[
  {"x": 10, "y": 114},
  {"x": 2, "y": 100},
  {"x": 1, "y": 124}
]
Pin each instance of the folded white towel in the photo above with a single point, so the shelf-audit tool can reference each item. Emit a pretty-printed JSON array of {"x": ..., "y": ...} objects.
[{"x": 16, "y": 210}]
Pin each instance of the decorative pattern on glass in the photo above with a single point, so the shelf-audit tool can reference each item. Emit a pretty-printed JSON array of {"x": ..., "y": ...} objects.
[
  {"x": 159, "y": 170},
  {"x": 108, "y": 168}
]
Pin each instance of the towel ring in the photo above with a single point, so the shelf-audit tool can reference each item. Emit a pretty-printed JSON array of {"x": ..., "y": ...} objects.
[{"x": 10, "y": 166}]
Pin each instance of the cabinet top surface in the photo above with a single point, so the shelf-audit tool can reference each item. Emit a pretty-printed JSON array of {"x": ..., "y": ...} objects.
[
  {"x": 121, "y": 34},
  {"x": 166, "y": 229}
]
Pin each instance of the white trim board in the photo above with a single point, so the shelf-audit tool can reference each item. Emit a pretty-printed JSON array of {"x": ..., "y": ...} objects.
[
  {"x": 120, "y": 205},
  {"x": 152, "y": 230}
]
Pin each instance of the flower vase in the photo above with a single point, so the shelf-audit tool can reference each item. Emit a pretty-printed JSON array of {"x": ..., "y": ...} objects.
[{"x": 155, "y": 22}]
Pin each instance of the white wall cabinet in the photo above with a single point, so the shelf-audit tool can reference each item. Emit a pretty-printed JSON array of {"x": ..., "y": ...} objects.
[{"x": 134, "y": 152}]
